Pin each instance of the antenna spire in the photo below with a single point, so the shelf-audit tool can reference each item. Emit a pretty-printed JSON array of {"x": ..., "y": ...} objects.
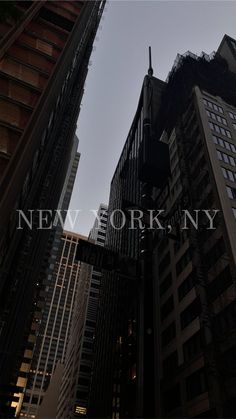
[{"x": 150, "y": 70}]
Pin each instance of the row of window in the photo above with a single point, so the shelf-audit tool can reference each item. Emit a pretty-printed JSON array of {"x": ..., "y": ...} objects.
[
  {"x": 223, "y": 143},
  {"x": 191, "y": 348},
  {"x": 220, "y": 130},
  {"x": 186, "y": 317},
  {"x": 219, "y": 109},
  {"x": 184, "y": 287},
  {"x": 212, "y": 105},
  {"x": 226, "y": 158},
  {"x": 195, "y": 384},
  {"x": 231, "y": 192},
  {"x": 216, "y": 117},
  {"x": 228, "y": 174}
]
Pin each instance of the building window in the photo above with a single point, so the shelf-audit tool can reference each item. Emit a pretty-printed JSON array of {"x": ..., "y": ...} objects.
[
  {"x": 190, "y": 313},
  {"x": 87, "y": 356},
  {"x": 170, "y": 364},
  {"x": 56, "y": 19},
  {"x": 167, "y": 307},
  {"x": 82, "y": 395},
  {"x": 186, "y": 286},
  {"x": 166, "y": 283},
  {"x": 83, "y": 381},
  {"x": 192, "y": 346},
  {"x": 216, "y": 287},
  {"x": 88, "y": 345},
  {"x": 183, "y": 261},
  {"x": 85, "y": 368},
  {"x": 232, "y": 115},
  {"x": 172, "y": 398},
  {"x": 168, "y": 334},
  {"x": 80, "y": 410},
  {"x": 231, "y": 192},
  {"x": 196, "y": 384},
  {"x": 214, "y": 254}
]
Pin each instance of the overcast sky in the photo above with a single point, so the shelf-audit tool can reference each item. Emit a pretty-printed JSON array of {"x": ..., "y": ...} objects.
[{"x": 119, "y": 64}]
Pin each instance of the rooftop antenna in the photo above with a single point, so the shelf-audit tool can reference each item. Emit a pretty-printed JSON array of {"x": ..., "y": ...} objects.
[{"x": 150, "y": 70}]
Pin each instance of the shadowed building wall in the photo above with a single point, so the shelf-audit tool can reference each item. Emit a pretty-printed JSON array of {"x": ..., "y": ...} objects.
[{"x": 43, "y": 65}]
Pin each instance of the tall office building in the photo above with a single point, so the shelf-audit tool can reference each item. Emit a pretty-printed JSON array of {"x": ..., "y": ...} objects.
[
  {"x": 49, "y": 281},
  {"x": 48, "y": 296},
  {"x": 44, "y": 60},
  {"x": 53, "y": 334},
  {"x": 197, "y": 273},
  {"x": 185, "y": 340},
  {"x": 78, "y": 370}
]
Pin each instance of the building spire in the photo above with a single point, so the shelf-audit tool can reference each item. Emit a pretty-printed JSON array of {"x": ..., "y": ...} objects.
[{"x": 150, "y": 70}]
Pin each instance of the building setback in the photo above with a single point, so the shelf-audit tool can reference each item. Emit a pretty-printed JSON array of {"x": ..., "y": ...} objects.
[
  {"x": 191, "y": 294},
  {"x": 44, "y": 59},
  {"x": 78, "y": 368}
]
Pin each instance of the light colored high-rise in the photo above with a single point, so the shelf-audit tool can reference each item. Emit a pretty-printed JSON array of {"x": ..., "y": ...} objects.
[
  {"x": 52, "y": 339},
  {"x": 73, "y": 400}
]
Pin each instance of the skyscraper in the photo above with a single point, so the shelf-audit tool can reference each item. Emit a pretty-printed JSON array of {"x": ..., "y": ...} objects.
[
  {"x": 47, "y": 297},
  {"x": 78, "y": 369},
  {"x": 166, "y": 342},
  {"x": 53, "y": 334},
  {"x": 117, "y": 350},
  {"x": 197, "y": 273},
  {"x": 44, "y": 60}
]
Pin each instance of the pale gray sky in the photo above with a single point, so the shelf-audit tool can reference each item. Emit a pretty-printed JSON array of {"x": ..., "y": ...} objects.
[{"x": 114, "y": 81}]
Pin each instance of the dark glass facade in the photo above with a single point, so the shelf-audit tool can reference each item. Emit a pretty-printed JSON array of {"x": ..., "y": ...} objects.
[{"x": 193, "y": 270}]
